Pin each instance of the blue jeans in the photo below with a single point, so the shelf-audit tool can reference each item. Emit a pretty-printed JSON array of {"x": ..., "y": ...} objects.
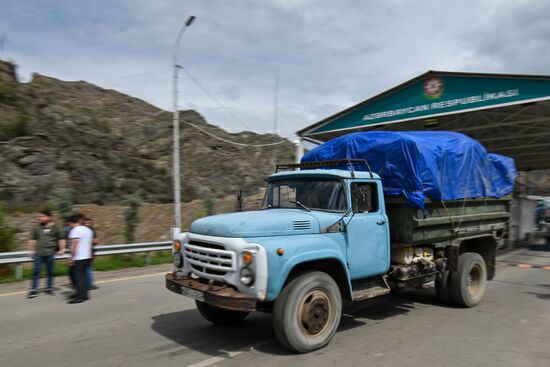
[
  {"x": 38, "y": 261},
  {"x": 90, "y": 275}
]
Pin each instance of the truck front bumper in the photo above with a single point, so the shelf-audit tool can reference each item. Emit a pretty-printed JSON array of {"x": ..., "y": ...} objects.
[{"x": 222, "y": 296}]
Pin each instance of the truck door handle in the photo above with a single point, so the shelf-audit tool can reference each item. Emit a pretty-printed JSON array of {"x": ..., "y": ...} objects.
[{"x": 381, "y": 221}]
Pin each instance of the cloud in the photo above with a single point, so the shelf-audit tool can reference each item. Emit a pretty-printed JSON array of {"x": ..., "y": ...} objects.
[
  {"x": 511, "y": 39},
  {"x": 329, "y": 54}
]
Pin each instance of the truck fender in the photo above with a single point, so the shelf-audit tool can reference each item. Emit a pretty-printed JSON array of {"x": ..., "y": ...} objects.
[{"x": 327, "y": 260}]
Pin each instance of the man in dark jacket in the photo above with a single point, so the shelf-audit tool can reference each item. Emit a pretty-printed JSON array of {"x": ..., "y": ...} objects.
[{"x": 46, "y": 240}]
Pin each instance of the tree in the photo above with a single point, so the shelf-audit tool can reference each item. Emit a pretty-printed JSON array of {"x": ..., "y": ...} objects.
[
  {"x": 133, "y": 203},
  {"x": 7, "y": 233},
  {"x": 208, "y": 204},
  {"x": 62, "y": 202},
  {"x": 7, "y": 239}
]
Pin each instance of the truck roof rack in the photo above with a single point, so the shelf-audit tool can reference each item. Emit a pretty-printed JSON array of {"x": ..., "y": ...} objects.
[{"x": 350, "y": 163}]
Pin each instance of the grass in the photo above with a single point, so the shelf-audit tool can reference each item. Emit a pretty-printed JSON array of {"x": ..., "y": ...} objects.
[{"x": 103, "y": 263}]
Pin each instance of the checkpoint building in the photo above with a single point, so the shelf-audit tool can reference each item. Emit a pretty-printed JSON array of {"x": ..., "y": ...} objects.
[{"x": 509, "y": 114}]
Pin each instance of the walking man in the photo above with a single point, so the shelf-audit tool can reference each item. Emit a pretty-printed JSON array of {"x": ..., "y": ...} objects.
[
  {"x": 46, "y": 240},
  {"x": 88, "y": 222},
  {"x": 81, "y": 238}
]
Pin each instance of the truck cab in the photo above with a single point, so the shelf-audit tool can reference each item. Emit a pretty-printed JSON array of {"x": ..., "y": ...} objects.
[{"x": 321, "y": 236}]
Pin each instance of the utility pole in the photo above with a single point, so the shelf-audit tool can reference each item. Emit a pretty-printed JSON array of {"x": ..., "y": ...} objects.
[
  {"x": 275, "y": 116},
  {"x": 176, "y": 131}
]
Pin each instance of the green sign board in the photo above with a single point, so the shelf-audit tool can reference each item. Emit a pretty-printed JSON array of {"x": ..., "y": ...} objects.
[{"x": 440, "y": 95}]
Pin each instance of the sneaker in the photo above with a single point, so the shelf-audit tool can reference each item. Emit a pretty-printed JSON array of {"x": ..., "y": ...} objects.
[
  {"x": 32, "y": 294},
  {"x": 75, "y": 300},
  {"x": 49, "y": 292},
  {"x": 93, "y": 288}
]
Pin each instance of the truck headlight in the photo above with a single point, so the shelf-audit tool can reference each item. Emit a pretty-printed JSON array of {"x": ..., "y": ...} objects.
[
  {"x": 247, "y": 276},
  {"x": 178, "y": 259}
]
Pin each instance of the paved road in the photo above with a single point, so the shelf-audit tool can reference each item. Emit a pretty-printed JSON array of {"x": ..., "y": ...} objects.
[{"x": 134, "y": 321}]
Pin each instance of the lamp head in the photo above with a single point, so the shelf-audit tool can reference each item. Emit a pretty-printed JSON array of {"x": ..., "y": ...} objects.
[{"x": 190, "y": 20}]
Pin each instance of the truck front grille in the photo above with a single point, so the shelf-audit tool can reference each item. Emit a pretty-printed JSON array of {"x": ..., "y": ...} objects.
[{"x": 209, "y": 261}]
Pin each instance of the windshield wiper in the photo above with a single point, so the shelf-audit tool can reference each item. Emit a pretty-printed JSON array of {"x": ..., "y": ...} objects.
[{"x": 302, "y": 205}]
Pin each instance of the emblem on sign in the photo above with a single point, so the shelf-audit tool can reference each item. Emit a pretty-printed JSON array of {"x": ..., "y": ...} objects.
[{"x": 433, "y": 88}]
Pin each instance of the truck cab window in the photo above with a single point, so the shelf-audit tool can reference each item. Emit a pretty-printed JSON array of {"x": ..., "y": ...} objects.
[
  {"x": 363, "y": 196},
  {"x": 313, "y": 193}
]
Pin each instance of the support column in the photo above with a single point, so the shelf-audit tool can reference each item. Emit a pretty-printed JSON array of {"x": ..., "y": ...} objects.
[
  {"x": 299, "y": 149},
  {"x": 19, "y": 271}
]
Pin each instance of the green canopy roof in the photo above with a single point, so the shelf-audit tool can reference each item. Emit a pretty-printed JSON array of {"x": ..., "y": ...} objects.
[{"x": 509, "y": 114}]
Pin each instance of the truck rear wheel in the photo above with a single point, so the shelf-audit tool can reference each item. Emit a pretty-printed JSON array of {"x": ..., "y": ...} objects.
[
  {"x": 307, "y": 312},
  {"x": 220, "y": 316},
  {"x": 443, "y": 286},
  {"x": 469, "y": 282}
]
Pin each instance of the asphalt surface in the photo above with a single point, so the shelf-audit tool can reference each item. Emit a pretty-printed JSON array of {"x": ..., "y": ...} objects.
[{"x": 133, "y": 321}]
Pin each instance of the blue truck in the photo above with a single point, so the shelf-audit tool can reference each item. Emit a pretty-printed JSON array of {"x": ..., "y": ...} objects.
[{"x": 326, "y": 233}]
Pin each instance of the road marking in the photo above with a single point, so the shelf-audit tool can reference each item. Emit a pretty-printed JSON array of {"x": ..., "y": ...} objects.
[
  {"x": 12, "y": 293},
  {"x": 524, "y": 266},
  {"x": 97, "y": 282},
  {"x": 130, "y": 278},
  {"x": 229, "y": 355}
]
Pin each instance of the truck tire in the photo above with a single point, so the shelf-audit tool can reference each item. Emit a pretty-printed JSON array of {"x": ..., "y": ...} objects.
[
  {"x": 307, "y": 312},
  {"x": 443, "y": 287},
  {"x": 469, "y": 282},
  {"x": 220, "y": 316}
]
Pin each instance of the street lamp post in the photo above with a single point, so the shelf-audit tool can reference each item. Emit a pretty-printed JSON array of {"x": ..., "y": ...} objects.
[{"x": 176, "y": 131}]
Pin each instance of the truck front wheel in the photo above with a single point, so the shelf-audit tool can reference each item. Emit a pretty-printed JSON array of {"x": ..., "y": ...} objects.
[
  {"x": 220, "y": 316},
  {"x": 307, "y": 312},
  {"x": 469, "y": 282}
]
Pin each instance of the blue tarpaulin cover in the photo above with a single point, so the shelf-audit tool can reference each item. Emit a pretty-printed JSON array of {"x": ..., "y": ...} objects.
[{"x": 417, "y": 164}]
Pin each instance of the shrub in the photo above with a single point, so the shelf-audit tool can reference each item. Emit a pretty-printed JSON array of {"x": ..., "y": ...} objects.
[
  {"x": 62, "y": 201},
  {"x": 131, "y": 216},
  {"x": 8, "y": 94},
  {"x": 208, "y": 204},
  {"x": 7, "y": 234},
  {"x": 7, "y": 240},
  {"x": 17, "y": 128}
]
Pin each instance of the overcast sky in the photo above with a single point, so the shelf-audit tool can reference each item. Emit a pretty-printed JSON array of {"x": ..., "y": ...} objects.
[{"x": 330, "y": 54}]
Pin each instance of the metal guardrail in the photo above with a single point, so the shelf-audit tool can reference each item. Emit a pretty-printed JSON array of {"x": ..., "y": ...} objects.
[{"x": 20, "y": 257}]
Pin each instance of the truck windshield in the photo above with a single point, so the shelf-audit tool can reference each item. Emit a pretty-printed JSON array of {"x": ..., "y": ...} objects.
[{"x": 305, "y": 193}]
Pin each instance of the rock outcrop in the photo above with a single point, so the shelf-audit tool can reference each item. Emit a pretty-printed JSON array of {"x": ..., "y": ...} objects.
[{"x": 100, "y": 145}]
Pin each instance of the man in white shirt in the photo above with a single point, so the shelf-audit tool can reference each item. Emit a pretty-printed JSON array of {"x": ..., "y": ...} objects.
[{"x": 81, "y": 238}]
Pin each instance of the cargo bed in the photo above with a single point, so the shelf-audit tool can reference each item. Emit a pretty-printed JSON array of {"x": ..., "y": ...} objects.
[{"x": 442, "y": 222}]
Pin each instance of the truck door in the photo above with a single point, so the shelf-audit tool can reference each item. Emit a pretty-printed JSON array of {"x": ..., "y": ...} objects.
[{"x": 367, "y": 232}]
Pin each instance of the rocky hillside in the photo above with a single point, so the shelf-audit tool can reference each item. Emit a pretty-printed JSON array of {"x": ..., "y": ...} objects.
[{"x": 100, "y": 145}]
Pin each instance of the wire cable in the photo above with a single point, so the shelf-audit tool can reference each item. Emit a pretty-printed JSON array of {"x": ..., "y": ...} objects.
[
  {"x": 228, "y": 111},
  {"x": 214, "y": 98},
  {"x": 233, "y": 142}
]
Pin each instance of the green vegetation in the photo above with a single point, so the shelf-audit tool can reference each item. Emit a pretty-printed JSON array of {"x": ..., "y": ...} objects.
[
  {"x": 103, "y": 263},
  {"x": 8, "y": 94},
  {"x": 131, "y": 216},
  {"x": 7, "y": 237},
  {"x": 208, "y": 204},
  {"x": 62, "y": 201},
  {"x": 7, "y": 234},
  {"x": 17, "y": 128}
]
